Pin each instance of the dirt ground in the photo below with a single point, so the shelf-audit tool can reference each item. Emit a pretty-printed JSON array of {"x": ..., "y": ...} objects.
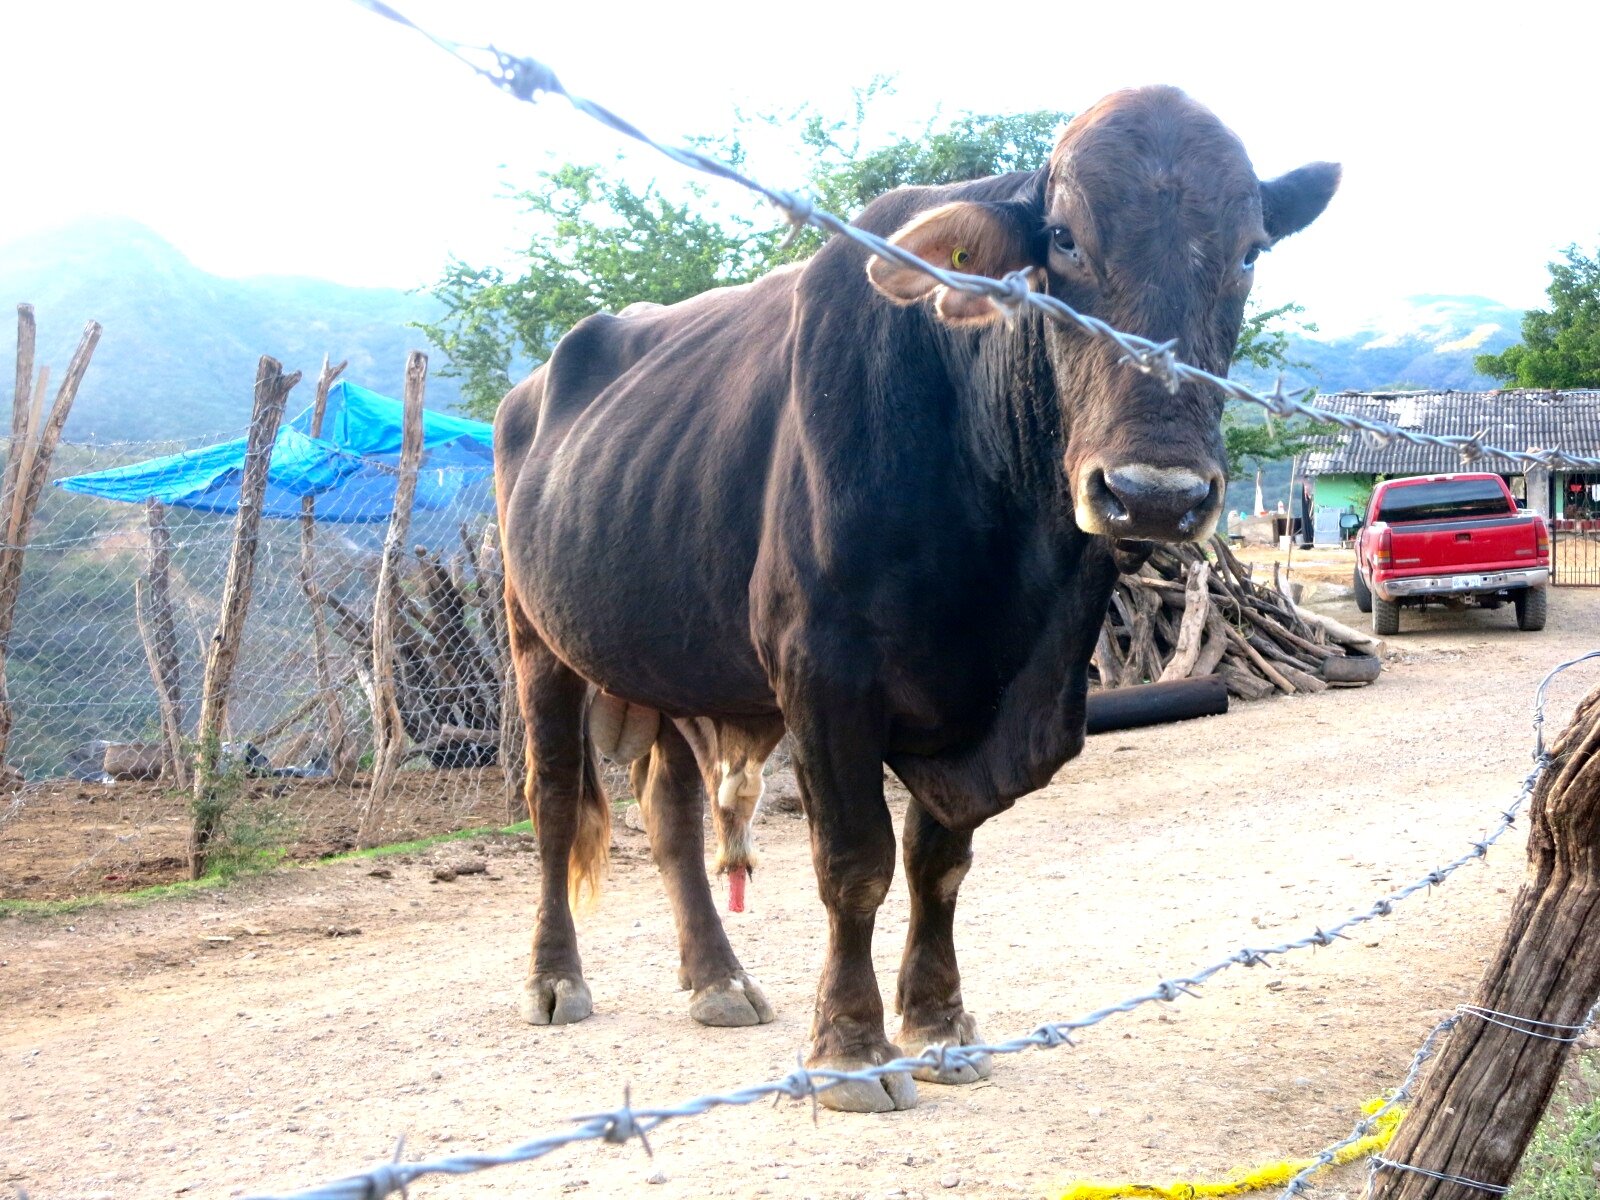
[
  {"x": 293, "y": 1027},
  {"x": 69, "y": 838}
]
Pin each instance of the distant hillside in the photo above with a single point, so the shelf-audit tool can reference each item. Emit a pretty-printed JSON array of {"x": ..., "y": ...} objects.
[
  {"x": 1430, "y": 343},
  {"x": 179, "y": 351}
]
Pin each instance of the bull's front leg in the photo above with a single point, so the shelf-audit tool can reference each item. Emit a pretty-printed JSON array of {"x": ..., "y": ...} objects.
[
  {"x": 929, "y": 992},
  {"x": 837, "y": 729}
]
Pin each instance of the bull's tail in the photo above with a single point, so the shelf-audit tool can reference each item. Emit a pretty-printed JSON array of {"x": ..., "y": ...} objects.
[{"x": 589, "y": 860}]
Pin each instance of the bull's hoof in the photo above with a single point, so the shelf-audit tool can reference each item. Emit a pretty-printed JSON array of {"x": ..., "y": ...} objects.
[
  {"x": 734, "y": 1002},
  {"x": 553, "y": 999},
  {"x": 959, "y": 1031},
  {"x": 890, "y": 1093}
]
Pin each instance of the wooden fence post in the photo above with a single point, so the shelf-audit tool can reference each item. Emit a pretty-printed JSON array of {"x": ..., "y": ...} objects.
[
  {"x": 272, "y": 392},
  {"x": 153, "y": 610},
  {"x": 1478, "y": 1107},
  {"x": 341, "y": 752},
  {"x": 388, "y": 729},
  {"x": 511, "y": 751},
  {"x": 33, "y": 446}
]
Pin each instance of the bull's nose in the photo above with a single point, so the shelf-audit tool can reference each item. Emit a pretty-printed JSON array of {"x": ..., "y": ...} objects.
[{"x": 1171, "y": 504}]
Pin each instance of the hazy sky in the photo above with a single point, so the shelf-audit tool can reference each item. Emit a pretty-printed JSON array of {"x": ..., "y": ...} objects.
[{"x": 310, "y": 137}]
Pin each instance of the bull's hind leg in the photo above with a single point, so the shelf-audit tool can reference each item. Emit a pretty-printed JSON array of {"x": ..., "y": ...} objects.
[
  {"x": 562, "y": 789},
  {"x": 929, "y": 991},
  {"x": 673, "y": 801}
]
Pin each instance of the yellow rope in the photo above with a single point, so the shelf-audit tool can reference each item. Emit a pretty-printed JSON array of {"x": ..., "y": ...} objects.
[{"x": 1270, "y": 1175}]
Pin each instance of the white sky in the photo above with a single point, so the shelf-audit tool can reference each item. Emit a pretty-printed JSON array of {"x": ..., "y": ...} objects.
[{"x": 310, "y": 137}]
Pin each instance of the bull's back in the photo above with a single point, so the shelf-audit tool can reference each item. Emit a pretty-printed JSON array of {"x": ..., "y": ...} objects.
[{"x": 631, "y": 471}]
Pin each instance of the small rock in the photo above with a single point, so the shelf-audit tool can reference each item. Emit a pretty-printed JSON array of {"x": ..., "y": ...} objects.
[
  {"x": 444, "y": 875},
  {"x": 633, "y": 818},
  {"x": 658, "y": 1177},
  {"x": 1302, "y": 1082},
  {"x": 343, "y": 931},
  {"x": 381, "y": 873},
  {"x": 471, "y": 866},
  {"x": 438, "y": 1075},
  {"x": 950, "y": 1181}
]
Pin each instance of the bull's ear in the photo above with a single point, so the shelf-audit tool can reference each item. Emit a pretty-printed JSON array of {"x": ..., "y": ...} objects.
[
  {"x": 974, "y": 238},
  {"x": 1291, "y": 202}
]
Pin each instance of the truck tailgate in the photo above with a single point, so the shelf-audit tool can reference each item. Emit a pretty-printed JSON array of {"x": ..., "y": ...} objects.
[{"x": 1439, "y": 547}]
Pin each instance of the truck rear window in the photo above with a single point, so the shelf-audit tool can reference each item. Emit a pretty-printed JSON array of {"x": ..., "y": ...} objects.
[{"x": 1444, "y": 498}]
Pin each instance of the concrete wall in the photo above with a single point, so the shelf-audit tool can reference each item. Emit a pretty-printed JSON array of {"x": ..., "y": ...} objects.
[{"x": 1345, "y": 493}]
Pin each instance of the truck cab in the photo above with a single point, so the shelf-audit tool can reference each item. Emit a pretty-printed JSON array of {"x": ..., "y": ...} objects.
[{"x": 1459, "y": 540}]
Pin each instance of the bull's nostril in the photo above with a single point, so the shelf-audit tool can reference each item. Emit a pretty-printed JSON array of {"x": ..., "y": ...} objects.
[
  {"x": 1192, "y": 519},
  {"x": 1106, "y": 500}
]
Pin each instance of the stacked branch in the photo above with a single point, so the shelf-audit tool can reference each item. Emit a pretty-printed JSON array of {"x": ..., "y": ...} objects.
[{"x": 1187, "y": 613}]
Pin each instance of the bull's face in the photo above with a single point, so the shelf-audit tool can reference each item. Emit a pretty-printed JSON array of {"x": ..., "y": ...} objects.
[{"x": 1150, "y": 217}]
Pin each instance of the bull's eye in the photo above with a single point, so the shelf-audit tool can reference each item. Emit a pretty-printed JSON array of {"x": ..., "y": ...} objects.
[
  {"x": 1061, "y": 241},
  {"x": 1250, "y": 257},
  {"x": 959, "y": 257}
]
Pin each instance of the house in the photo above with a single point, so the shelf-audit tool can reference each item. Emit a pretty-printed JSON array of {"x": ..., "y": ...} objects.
[{"x": 1343, "y": 465}]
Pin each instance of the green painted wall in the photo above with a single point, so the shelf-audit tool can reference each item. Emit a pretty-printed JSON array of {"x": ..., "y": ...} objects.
[{"x": 1346, "y": 493}]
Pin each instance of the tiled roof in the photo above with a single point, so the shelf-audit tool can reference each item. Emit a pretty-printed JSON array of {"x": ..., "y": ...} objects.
[{"x": 1516, "y": 420}]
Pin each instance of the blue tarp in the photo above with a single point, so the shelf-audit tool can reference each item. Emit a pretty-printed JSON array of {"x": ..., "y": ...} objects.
[{"x": 351, "y": 468}]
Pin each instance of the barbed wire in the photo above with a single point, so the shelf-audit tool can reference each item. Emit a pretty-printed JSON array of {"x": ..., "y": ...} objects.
[
  {"x": 527, "y": 78},
  {"x": 625, "y": 1123}
]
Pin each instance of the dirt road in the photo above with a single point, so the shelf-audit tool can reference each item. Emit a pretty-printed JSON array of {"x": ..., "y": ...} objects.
[{"x": 294, "y": 1027}]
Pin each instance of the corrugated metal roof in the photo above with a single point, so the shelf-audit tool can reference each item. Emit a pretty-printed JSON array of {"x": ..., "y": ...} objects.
[{"x": 1517, "y": 420}]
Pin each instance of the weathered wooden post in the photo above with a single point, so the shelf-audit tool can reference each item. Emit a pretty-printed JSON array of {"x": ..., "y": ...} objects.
[
  {"x": 388, "y": 729},
  {"x": 1477, "y": 1109},
  {"x": 33, "y": 446},
  {"x": 511, "y": 749},
  {"x": 341, "y": 752},
  {"x": 272, "y": 392},
  {"x": 153, "y": 610}
]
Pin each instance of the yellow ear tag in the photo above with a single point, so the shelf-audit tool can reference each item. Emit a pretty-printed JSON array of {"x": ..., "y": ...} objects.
[{"x": 959, "y": 257}]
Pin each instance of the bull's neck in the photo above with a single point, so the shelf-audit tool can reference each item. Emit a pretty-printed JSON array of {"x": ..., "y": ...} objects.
[{"x": 1011, "y": 416}]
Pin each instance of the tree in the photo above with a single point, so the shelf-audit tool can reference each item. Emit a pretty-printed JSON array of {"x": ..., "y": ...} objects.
[
  {"x": 599, "y": 243},
  {"x": 1251, "y": 445},
  {"x": 1560, "y": 346}
]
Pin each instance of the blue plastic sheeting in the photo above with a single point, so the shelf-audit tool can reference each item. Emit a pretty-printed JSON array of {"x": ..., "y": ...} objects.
[{"x": 351, "y": 469}]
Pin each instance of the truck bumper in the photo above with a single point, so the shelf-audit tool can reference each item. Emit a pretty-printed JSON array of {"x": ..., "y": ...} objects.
[{"x": 1458, "y": 585}]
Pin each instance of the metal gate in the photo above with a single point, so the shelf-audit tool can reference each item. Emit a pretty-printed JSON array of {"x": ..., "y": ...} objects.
[{"x": 1575, "y": 553}]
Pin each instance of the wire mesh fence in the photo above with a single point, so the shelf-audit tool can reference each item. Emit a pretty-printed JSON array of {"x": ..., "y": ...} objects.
[{"x": 117, "y": 607}]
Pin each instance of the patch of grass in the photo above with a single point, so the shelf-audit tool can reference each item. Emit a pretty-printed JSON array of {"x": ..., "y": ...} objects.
[
  {"x": 237, "y": 864},
  {"x": 1560, "y": 1162}
]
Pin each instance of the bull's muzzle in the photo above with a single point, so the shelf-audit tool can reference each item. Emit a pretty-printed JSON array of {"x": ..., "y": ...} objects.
[{"x": 1135, "y": 500}]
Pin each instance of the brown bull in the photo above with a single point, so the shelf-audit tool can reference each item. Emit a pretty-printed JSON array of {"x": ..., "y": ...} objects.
[{"x": 850, "y": 503}]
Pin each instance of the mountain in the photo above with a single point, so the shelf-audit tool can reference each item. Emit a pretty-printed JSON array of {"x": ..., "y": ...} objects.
[
  {"x": 1428, "y": 342},
  {"x": 177, "y": 358}
]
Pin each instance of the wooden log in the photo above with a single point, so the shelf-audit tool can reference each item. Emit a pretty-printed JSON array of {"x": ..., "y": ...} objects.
[
  {"x": 388, "y": 726},
  {"x": 342, "y": 758},
  {"x": 511, "y": 750},
  {"x": 1260, "y": 664},
  {"x": 1214, "y": 647},
  {"x": 27, "y": 467},
  {"x": 1196, "y": 612},
  {"x": 271, "y": 393},
  {"x": 1476, "y": 1111},
  {"x": 1244, "y": 684},
  {"x": 158, "y": 631},
  {"x": 1341, "y": 633},
  {"x": 1156, "y": 703}
]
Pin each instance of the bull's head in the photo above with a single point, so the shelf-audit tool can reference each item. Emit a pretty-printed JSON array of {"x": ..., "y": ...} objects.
[{"x": 1150, "y": 217}]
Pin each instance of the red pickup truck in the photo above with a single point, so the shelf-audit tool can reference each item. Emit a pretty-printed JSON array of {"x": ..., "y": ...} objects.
[{"x": 1456, "y": 539}]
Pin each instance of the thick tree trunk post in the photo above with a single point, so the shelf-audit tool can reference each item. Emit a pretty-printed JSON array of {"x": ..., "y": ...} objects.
[
  {"x": 1477, "y": 1109},
  {"x": 33, "y": 446},
  {"x": 156, "y": 626},
  {"x": 272, "y": 392},
  {"x": 341, "y": 751},
  {"x": 388, "y": 728}
]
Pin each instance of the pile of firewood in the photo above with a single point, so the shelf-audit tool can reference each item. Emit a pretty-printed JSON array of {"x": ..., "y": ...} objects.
[{"x": 1188, "y": 613}]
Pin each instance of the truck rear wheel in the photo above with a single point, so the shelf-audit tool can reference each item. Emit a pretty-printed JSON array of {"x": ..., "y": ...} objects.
[
  {"x": 1386, "y": 616},
  {"x": 1533, "y": 605},
  {"x": 1363, "y": 592}
]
